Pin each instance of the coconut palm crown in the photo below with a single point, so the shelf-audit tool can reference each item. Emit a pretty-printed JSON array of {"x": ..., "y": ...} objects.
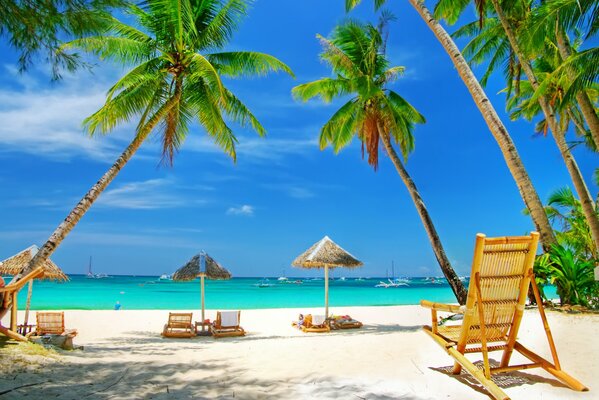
[
  {"x": 356, "y": 54},
  {"x": 373, "y": 113},
  {"x": 177, "y": 64}
]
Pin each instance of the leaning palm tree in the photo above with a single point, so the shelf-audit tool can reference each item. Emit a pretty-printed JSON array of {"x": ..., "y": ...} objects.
[
  {"x": 498, "y": 130},
  {"x": 374, "y": 113},
  {"x": 175, "y": 79},
  {"x": 512, "y": 18}
]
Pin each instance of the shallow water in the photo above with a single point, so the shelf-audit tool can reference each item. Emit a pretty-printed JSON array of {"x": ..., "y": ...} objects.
[{"x": 144, "y": 292}]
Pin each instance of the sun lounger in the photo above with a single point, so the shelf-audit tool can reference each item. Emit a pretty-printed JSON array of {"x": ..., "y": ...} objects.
[
  {"x": 51, "y": 323},
  {"x": 344, "y": 322},
  {"x": 502, "y": 272},
  {"x": 313, "y": 323},
  {"x": 227, "y": 324},
  {"x": 179, "y": 325}
]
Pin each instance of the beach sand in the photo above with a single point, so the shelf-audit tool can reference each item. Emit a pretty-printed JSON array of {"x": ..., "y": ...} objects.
[{"x": 389, "y": 358}]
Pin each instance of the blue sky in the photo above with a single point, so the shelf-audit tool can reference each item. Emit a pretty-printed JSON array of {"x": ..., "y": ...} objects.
[{"x": 284, "y": 193}]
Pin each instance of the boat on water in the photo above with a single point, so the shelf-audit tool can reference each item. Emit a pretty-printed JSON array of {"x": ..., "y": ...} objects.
[
  {"x": 91, "y": 275},
  {"x": 390, "y": 284},
  {"x": 359, "y": 279},
  {"x": 264, "y": 283},
  {"x": 165, "y": 277},
  {"x": 393, "y": 282}
]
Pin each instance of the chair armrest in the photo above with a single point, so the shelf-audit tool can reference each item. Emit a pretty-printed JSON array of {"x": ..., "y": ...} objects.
[{"x": 443, "y": 307}]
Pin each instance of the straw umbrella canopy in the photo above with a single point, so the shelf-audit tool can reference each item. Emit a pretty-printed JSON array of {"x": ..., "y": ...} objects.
[
  {"x": 14, "y": 265},
  {"x": 326, "y": 254},
  {"x": 204, "y": 266}
]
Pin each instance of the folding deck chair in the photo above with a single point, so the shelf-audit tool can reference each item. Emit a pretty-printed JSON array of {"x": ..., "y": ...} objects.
[
  {"x": 502, "y": 272},
  {"x": 227, "y": 324},
  {"x": 51, "y": 323},
  {"x": 179, "y": 325}
]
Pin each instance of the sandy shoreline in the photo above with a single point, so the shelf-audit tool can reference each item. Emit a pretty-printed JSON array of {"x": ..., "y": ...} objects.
[{"x": 125, "y": 358}]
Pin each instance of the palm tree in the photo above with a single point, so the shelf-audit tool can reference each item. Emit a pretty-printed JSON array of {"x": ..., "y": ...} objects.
[
  {"x": 35, "y": 27},
  {"x": 511, "y": 20},
  {"x": 498, "y": 130},
  {"x": 174, "y": 81},
  {"x": 555, "y": 19},
  {"x": 374, "y": 113}
]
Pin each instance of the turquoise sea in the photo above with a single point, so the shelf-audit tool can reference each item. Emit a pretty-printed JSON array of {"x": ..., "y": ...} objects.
[{"x": 145, "y": 292}]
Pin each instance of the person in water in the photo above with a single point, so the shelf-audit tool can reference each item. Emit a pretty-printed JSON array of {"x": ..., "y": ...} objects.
[{"x": 117, "y": 306}]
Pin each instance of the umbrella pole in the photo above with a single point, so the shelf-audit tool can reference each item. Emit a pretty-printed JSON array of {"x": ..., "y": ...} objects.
[
  {"x": 326, "y": 292},
  {"x": 29, "y": 291},
  {"x": 202, "y": 294}
]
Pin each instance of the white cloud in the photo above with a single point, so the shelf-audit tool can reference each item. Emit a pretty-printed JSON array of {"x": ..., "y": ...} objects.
[
  {"x": 255, "y": 149},
  {"x": 47, "y": 120},
  {"x": 146, "y": 195},
  {"x": 245, "y": 210},
  {"x": 291, "y": 190}
]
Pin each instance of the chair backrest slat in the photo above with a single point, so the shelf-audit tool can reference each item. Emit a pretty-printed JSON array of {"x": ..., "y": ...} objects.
[
  {"x": 503, "y": 267},
  {"x": 50, "y": 323}
]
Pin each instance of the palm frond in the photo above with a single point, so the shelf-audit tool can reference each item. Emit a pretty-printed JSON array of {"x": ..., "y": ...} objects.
[
  {"x": 246, "y": 63},
  {"x": 326, "y": 88}
]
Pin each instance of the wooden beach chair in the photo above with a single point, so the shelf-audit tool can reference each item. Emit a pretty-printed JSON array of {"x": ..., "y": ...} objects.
[
  {"x": 344, "y": 322},
  {"x": 502, "y": 272},
  {"x": 51, "y": 323},
  {"x": 315, "y": 324},
  {"x": 8, "y": 302},
  {"x": 179, "y": 325},
  {"x": 227, "y": 324}
]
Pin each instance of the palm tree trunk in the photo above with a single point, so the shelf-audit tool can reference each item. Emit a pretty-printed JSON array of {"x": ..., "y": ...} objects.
[
  {"x": 452, "y": 278},
  {"x": 498, "y": 130},
  {"x": 584, "y": 195},
  {"x": 586, "y": 106},
  {"x": 92, "y": 195}
]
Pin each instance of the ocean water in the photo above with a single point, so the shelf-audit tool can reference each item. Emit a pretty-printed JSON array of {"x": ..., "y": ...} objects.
[{"x": 144, "y": 292}]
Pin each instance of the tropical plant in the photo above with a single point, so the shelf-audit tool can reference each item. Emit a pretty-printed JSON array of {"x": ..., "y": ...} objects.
[
  {"x": 374, "y": 113},
  {"x": 36, "y": 27},
  {"x": 498, "y": 130},
  {"x": 556, "y": 19},
  {"x": 572, "y": 230},
  {"x": 571, "y": 274},
  {"x": 175, "y": 79}
]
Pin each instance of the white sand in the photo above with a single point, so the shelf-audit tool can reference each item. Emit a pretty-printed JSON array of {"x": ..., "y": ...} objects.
[{"x": 389, "y": 358}]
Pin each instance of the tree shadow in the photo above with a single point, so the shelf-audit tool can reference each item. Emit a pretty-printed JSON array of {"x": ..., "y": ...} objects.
[{"x": 118, "y": 379}]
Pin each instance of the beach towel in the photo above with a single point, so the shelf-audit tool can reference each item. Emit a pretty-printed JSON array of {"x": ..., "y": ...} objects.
[{"x": 229, "y": 318}]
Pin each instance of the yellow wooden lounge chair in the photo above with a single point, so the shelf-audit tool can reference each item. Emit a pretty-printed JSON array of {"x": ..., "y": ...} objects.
[
  {"x": 502, "y": 272},
  {"x": 51, "y": 323},
  {"x": 344, "y": 322},
  {"x": 315, "y": 324},
  {"x": 179, "y": 325},
  {"x": 227, "y": 324}
]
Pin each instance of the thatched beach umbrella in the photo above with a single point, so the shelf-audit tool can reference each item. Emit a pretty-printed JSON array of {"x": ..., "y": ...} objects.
[
  {"x": 326, "y": 254},
  {"x": 14, "y": 265},
  {"x": 204, "y": 266}
]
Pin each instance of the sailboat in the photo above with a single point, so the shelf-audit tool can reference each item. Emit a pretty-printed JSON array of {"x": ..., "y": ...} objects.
[
  {"x": 392, "y": 282},
  {"x": 91, "y": 275}
]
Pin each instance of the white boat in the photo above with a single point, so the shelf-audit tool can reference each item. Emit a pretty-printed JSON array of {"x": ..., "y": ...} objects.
[
  {"x": 264, "y": 283},
  {"x": 341, "y": 279},
  {"x": 390, "y": 284},
  {"x": 165, "y": 277},
  {"x": 91, "y": 275}
]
